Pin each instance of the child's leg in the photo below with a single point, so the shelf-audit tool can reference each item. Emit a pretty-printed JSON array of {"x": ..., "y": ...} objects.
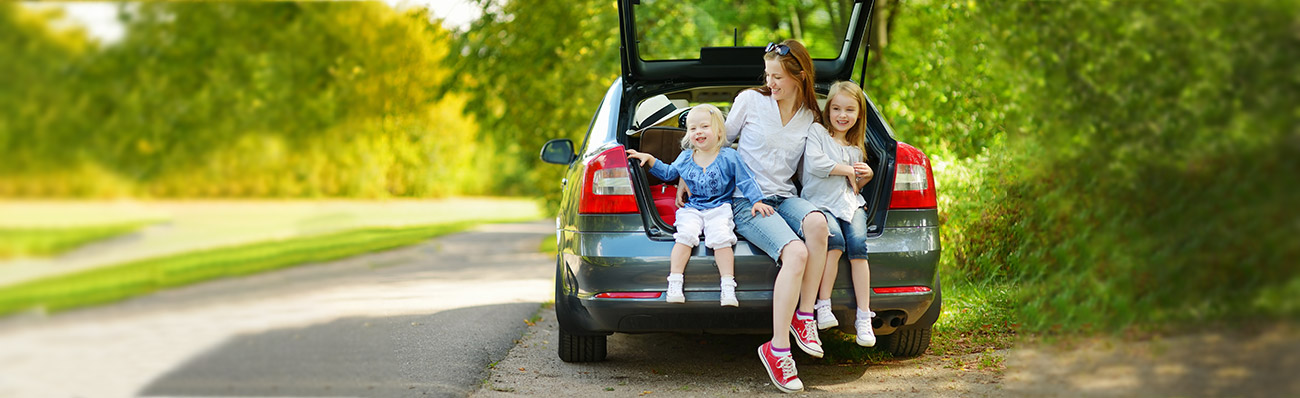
[
  {"x": 835, "y": 245},
  {"x": 677, "y": 260},
  {"x": 719, "y": 235},
  {"x": 861, "y": 283},
  {"x": 689, "y": 224},
  {"x": 832, "y": 272},
  {"x": 726, "y": 260}
]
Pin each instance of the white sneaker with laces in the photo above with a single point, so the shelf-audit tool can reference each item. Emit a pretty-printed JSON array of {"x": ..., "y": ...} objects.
[
  {"x": 675, "y": 294},
  {"x": 729, "y": 293},
  {"x": 826, "y": 318},
  {"x": 866, "y": 334}
]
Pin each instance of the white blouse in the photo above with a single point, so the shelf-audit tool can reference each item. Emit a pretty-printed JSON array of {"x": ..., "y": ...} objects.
[
  {"x": 829, "y": 192},
  {"x": 771, "y": 150}
]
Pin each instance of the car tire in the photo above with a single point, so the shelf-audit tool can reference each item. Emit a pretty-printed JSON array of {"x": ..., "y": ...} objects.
[
  {"x": 579, "y": 348},
  {"x": 906, "y": 343},
  {"x": 913, "y": 340}
]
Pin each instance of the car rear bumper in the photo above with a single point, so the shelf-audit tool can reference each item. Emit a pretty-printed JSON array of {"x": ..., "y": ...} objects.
[{"x": 906, "y": 253}]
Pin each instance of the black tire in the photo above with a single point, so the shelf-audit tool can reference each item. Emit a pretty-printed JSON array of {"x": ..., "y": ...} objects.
[
  {"x": 911, "y": 341},
  {"x": 906, "y": 343},
  {"x": 574, "y": 347},
  {"x": 577, "y": 348}
]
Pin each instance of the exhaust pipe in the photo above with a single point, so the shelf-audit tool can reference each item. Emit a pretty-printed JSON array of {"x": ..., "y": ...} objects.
[{"x": 893, "y": 320}]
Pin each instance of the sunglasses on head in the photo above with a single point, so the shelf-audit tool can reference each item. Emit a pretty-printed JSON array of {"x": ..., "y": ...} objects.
[{"x": 780, "y": 49}]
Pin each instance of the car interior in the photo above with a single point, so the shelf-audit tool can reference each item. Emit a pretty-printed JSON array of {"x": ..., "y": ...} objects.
[{"x": 664, "y": 140}]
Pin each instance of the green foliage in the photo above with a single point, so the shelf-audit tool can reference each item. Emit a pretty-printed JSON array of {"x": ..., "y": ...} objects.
[
  {"x": 36, "y": 242},
  {"x": 235, "y": 99},
  {"x": 1118, "y": 161},
  {"x": 533, "y": 72}
]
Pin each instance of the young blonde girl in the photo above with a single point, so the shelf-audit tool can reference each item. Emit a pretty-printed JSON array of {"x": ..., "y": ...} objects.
[
  {"x": 833, "y": 174},
  {"x": 712, "y": 173}
]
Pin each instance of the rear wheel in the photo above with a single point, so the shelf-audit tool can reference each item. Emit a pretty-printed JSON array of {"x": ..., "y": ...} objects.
[
  {"x": 574, "y": 347},
  {"x": 910, "y": 341},
  {"x": 579, "y": 348},
  {"x": 906, "y": 343}
]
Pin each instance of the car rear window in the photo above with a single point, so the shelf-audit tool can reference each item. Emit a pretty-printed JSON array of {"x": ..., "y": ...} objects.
[{"x": 668, "y": 30}]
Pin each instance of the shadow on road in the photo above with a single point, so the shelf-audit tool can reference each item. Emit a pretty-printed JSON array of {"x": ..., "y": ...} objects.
[{"x": 440, "y": 354}]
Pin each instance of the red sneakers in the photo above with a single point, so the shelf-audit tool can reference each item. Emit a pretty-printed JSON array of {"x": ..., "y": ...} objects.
[
  {"x": 805, "y": 335},
  {"x": 780, "y": 369}
]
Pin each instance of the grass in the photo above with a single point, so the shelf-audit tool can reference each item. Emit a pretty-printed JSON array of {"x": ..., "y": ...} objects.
[
  {"x": 52, "y": 241},
  {"x": 118, "y": 282},
  {"x": 978, "y": 318}
]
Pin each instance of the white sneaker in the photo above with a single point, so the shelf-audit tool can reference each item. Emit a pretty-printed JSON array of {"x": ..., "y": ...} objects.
[
  {"x": 675, "y": 294},
  {"x": 729, "y": 293},
  {"x": 866, "y": 334},
  {"x": 826, "y": 318}
]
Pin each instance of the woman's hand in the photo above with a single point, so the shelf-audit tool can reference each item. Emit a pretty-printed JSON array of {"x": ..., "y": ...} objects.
[
  {"x": 645, "y": 158},
  {"x": 762, "y": 208}
]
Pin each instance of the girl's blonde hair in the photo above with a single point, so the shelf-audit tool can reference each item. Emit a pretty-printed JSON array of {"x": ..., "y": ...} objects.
[
  {"x": 716, "y": 121},
  {"x": 857, "y": 134}
]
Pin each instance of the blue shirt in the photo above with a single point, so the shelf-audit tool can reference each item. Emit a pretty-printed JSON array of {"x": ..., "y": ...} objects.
[{"x": 714, "y": 185}]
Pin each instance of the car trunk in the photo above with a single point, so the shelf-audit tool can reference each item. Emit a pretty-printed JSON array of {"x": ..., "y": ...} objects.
[{"x": 710, "y": 61}]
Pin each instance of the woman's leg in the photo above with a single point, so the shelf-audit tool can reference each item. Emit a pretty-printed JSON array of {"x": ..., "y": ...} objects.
[
  {"x": 785, "y": 292},
  {"x": 774, "y": 236},
  {"x": 815, "y": 234}
]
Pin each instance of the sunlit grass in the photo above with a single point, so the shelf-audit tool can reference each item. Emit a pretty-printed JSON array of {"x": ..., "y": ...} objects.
[
  {"x": 137, "y": 278},
  {"x": 52, "y": 241},
  {"x": 977, "y": 317}
]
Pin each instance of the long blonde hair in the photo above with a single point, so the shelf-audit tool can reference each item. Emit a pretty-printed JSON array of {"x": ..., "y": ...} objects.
[{"x": 857, "y": 134}]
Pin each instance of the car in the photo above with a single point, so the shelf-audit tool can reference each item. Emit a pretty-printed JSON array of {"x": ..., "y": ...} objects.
[{"x": 614, "y": 235}]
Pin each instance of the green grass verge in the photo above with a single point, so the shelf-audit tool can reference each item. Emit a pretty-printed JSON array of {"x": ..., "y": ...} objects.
[
  {"x": 137, "y": 278},
  {"x": 44, "y": 242},
  {"x": 977, "y": 318}
]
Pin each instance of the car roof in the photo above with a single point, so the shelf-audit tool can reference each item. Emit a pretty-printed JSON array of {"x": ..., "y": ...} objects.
[{"x": 722, "y": 63}]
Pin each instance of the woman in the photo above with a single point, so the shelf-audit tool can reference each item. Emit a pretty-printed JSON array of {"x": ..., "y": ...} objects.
[{"x": 773, "y": 122}]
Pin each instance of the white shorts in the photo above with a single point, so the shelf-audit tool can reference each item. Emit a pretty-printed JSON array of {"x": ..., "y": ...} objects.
[{"x": 716, "y": 223}]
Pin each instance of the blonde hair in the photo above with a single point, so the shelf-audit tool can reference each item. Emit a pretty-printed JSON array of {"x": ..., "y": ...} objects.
[
  {"x": 857, "y": 134},
  {"x": 716, "y": 121}
]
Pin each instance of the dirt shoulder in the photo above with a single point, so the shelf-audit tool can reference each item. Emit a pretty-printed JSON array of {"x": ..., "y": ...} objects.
[{"x": 1253, "y": 363}]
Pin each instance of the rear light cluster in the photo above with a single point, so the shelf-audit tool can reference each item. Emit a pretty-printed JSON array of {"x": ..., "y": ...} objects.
[
  {"x": 629, "y": 295},
  {"x": 606, "y": 186},
  {"x": 900, "y": 289},
  {"x": 913, "y": 181}
]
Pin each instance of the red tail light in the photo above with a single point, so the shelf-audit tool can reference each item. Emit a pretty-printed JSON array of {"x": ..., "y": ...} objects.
[
  {"x": 900, "y": 289},
  {"x": 913, "y": 181},
  {"x": 629, "y": 295},
  {"x": 607, "y": 187}
]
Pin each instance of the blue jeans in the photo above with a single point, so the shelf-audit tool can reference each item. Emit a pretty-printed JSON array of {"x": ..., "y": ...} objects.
[
  {"x": 772, "y": 233},
  {"x": 849, "y": 237}
]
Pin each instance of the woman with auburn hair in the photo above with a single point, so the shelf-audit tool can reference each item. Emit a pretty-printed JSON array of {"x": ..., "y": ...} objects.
[{"x": 773, "y": 122}]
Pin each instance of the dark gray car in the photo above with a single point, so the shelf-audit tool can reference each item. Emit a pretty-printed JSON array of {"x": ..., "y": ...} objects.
[{"x": 614, "y": 241}]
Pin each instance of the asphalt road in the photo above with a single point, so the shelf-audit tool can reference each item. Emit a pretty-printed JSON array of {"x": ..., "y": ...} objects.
[{"x": 425, "y": 320}]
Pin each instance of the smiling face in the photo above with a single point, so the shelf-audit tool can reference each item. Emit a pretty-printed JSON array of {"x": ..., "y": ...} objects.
[
  {"x": 843, "y": 113},
  {"x": 783, "y": 85},
  {"x": 703, "y": 130}
]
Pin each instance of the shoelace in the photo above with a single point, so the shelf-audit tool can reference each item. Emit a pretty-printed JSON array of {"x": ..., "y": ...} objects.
[
  {"x": 786, "y": 363},
  {"x": 810, "y": 332}
]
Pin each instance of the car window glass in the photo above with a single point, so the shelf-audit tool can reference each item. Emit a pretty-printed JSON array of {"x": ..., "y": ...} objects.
[{"x": 678, "y": 29}]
